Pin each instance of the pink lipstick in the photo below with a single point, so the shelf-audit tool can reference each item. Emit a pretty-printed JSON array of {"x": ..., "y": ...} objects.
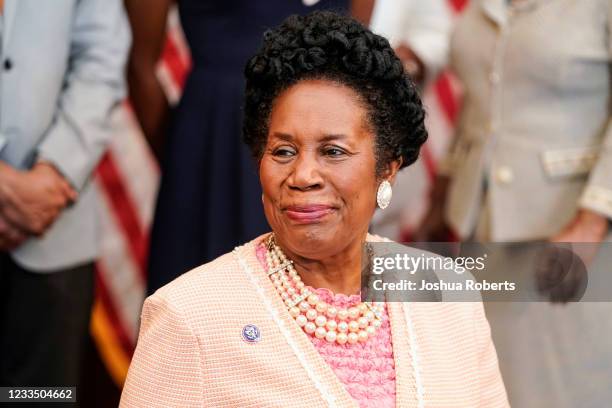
[{"x": 308, "y": 214}]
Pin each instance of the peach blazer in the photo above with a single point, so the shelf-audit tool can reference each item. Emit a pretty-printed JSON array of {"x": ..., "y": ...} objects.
[{"x": 191, "y": 353}]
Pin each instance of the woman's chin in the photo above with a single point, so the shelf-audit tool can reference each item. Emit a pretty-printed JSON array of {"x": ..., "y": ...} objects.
[{"x": 309, "y": 240}]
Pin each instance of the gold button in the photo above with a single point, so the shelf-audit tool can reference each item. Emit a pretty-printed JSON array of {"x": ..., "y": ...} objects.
[
  {"x": 494, "y": 77},
  {"x": 504, "y": 175}
]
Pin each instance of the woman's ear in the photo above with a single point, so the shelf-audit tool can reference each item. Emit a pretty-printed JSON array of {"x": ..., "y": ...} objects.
[{"x": 391, "y": 170}]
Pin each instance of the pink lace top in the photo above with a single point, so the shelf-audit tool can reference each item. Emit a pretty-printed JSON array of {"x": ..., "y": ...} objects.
[{"x": 367, "y": 370}]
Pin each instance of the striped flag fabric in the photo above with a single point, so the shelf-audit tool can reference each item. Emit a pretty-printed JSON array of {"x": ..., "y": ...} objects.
[{"x": 128, "y": 178}]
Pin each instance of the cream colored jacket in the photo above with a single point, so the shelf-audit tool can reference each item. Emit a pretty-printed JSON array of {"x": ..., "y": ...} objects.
[
  {"x": 535, "y": 123},
  {"x": 190, "y": 352}
]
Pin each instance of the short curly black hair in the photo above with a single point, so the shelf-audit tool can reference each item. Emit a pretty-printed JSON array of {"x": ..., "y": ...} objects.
[{"x": 326, "y": 45}]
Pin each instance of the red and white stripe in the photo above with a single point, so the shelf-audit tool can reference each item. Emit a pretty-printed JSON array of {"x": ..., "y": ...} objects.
[{"x": 127, "y": 179}]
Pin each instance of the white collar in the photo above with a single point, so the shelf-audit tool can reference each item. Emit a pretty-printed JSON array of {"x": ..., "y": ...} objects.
[{"x": 498, "y": 10}]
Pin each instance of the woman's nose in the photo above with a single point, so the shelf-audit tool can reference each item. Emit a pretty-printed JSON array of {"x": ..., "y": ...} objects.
[{"x": 306, "y": 174}]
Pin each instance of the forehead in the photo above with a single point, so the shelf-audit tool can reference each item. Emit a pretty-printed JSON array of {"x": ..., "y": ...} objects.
[{"x": 318, "y": 107}]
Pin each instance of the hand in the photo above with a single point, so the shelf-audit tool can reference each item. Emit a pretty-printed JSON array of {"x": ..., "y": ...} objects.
[
  {"x": 32, "y": 200},
  {"x": 587, "y": 226},
  {"x": 10, "y": 237},
  {"x": 434, "y": 227},
  {"x": 562, "y": 271},
  {"x": 412, "y": 64}
]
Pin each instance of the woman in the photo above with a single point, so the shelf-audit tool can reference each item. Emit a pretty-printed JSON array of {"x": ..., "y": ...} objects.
[
  {"x": 531, "y": 163},
  {"x": 330, "y": 117}
]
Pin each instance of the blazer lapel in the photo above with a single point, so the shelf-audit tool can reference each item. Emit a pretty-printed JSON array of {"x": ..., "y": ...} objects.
[
  {"x": 8, "y": 15},
  {"x": 316, "y": 368},
  {"x": 496, "y": 10},
  {"x": 406, "y": 377}
]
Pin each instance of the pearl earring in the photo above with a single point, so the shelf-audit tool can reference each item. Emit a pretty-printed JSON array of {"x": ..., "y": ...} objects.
[{"x": 384, "y": 194}]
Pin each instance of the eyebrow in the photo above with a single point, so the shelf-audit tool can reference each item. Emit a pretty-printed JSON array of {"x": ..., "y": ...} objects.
[
  {"x": 282, "y": 136},
  {"x": 326, "y": 138},
  {"x": 329, "y": 138}
]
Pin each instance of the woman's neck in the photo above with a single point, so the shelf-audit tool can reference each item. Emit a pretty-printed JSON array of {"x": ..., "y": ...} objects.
[{"x": 340, "y": 273}]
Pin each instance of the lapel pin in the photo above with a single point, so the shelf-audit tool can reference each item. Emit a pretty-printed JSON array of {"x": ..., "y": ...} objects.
[{"x": 251, "y": 333}]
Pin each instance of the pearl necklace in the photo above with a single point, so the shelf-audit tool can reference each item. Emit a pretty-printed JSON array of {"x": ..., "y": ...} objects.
[{"x": 313, "y": 315}]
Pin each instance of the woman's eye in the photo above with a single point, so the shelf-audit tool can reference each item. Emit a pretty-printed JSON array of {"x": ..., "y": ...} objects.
[
  {"x": 334, "y": 151},
  {"x": 284, "y": 152}
]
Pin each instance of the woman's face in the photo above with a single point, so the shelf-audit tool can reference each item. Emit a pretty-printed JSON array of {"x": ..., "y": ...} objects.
[{"x": 318, "y": 170}]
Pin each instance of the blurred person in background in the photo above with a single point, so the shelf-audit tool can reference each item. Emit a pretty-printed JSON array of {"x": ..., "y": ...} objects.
[
  {"x": 532, "y": 161},
  {"x": 62, "y": 74},
  {"x": 419, "y": 32},
  {"x": 209, "y": 199}
]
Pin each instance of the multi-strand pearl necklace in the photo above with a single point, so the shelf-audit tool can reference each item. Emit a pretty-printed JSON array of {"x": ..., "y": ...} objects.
[{"x": 313, "y": 315}]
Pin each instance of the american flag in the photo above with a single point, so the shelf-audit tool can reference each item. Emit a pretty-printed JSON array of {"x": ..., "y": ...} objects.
[{"x": 128, "y": 177}]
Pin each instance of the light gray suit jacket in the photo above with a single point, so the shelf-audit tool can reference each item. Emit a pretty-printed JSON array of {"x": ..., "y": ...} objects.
[
  {"x": 535, "y": 123},
  {"x": 62, "y": 74}
]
